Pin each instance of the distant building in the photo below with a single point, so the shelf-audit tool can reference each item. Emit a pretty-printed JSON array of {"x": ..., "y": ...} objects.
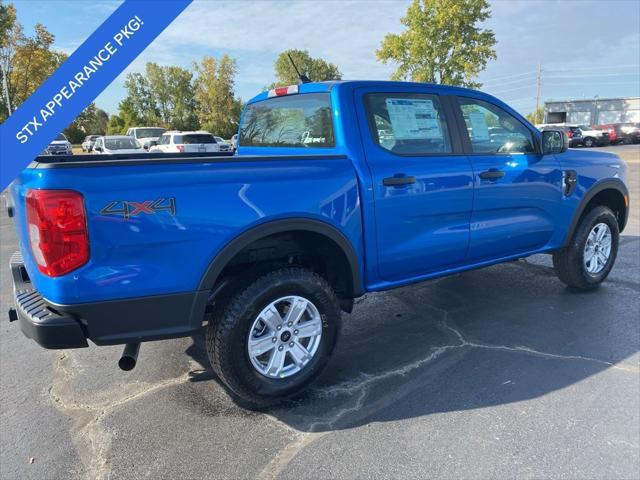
[{"x": 596, "y": 111}]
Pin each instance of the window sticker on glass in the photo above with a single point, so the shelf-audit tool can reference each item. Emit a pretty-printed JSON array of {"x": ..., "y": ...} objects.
[
  {"x": 479, "y": 127},
  {"x": 413, "y": 118}
]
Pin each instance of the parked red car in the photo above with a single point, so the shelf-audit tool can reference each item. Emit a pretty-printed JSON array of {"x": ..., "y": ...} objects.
[{"x": 616, "y": 135}]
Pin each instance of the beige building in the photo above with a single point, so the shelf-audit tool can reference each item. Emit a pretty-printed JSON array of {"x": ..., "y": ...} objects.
[{"x": 595, "y": 111}]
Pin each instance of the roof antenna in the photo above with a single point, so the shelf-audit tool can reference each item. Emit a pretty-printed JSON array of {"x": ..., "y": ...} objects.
[{"x": 303, "y": 78}]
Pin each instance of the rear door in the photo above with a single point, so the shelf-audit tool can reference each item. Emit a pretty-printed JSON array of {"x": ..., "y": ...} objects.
[
  {"x": 517, "y": 189},
  {"x": 422, "y": 181}
]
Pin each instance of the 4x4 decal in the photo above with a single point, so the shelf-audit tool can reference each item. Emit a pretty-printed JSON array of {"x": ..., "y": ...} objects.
[{"x": 128, "y": 209}]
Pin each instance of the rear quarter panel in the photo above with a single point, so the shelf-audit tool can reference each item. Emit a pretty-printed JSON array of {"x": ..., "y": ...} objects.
[{"x": 154, "y": 254}]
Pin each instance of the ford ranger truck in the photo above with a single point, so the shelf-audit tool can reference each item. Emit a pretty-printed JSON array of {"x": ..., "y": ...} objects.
[{"x": 338, "y": 188}]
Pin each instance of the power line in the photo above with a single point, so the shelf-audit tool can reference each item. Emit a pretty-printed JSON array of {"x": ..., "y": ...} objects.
[
  {"x": 510, "y": 82},
  {"x": 509, "y": 89},
  {"x": 590, "y": 83},
  {"x": 504, "y": 77},
  {"x": 587, "y": 75},
  {"x": 611, "y": 67}
]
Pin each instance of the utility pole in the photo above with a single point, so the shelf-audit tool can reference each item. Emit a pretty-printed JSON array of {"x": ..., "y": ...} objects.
[{"x": 538, "y": 81}]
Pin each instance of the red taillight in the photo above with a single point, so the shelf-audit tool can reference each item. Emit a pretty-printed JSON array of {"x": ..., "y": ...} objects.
[
  {"x": 569, "y": 133},
  {"x": 57, "y": 228},
  {"x": 180, "y": 148}
]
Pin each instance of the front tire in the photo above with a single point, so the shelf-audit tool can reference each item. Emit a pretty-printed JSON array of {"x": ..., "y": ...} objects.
[
  {"x": 273, "y": 337},
  {"x": 589, "y": 142},
  {"x": 588, "y": 259}
]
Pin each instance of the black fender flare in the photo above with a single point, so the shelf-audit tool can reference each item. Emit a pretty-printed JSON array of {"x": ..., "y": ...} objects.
[
  {"x": 263, "y": 230},
  {"x": 610, "y": 184}
]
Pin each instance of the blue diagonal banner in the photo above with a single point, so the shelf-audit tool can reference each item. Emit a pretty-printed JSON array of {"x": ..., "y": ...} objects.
[{"x": 80, "y": 79}]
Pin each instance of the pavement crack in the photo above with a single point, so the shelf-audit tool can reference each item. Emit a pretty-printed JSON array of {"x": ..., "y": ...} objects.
[
  {"x": 90, "y": 438},
  {"x": 531, "y": 351}
]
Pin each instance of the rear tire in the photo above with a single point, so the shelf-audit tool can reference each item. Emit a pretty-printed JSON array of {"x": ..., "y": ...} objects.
[
  {"x": 237, "y": 326},
  {"x": 588, "y": 259}
]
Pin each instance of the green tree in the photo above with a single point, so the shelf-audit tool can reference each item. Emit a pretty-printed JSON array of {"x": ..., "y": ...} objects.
[
  {"x": 25, "y": 62},
  {"x": 443, "y": 42},
  {"x": 92, "y": 121},
  {"x": 217, "y": 108},
  {"x": 117, "y": 125},
  {"x": 537, "y": 116},
  {"x": 10, "y": 35},
  {"x": 138, "y": 106},
  {"x": 162, "y": 96},
  {"x": 316, "y": 69}
]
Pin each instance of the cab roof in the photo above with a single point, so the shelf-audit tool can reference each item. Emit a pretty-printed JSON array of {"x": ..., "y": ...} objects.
[{"x": 317, "y": 87}]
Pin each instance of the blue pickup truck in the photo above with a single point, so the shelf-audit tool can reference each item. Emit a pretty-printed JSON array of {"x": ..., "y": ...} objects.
[{"x": 338, "y": 188}]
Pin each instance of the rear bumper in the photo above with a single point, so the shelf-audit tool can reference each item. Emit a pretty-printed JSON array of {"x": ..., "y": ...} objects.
[
  {"x": 37, "y": 321},
  {"x": 113, "y": 322}
]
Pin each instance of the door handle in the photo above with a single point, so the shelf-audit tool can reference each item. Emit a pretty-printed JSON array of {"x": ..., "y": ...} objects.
[
  {"x": 492, "y": 174},
  {"x": 398, "y": 181}
]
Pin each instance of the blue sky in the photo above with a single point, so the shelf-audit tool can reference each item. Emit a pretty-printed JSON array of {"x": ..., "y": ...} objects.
[{"x": 586, "y": 48}]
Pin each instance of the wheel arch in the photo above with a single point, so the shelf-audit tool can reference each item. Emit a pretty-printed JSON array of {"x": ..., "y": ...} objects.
[
  {"x": 268, "y": 229},
  {"x": 611, "y": 193}
]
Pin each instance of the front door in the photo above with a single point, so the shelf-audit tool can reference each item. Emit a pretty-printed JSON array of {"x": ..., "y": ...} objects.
[
  {"x": 517, "y": 189},
  {"x": 422, "y": 182}
]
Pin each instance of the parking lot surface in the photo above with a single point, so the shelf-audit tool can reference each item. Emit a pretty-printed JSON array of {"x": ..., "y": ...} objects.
[{"x": 500, "y": 372}]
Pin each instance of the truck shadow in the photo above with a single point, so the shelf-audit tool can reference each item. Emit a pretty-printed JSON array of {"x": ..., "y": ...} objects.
[{"x": 504, "y": 334}]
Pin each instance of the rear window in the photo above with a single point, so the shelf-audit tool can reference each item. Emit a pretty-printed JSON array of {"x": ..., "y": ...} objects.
[
  {"x": 149, "y": 132},
  {"x": 121, "y": 143},
  {"x": 192, "y": 138},
  {"x": 291, "y": 121}
]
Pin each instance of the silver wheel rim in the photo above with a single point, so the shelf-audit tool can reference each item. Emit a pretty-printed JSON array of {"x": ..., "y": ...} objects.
[
  {"x": 597, "y": 250},
  {"x": 284, "y": 337}
]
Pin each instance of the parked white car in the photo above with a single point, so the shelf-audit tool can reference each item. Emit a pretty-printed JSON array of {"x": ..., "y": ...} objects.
[
  {"x": 181, "y": 142},
  {"x": 89, "y": 140},
  {"x": 117, "y": 144},
  {"x": 146, "y": 135},
  {"x": 224, "y": 145},
  {"x": 234, "y": 142}
]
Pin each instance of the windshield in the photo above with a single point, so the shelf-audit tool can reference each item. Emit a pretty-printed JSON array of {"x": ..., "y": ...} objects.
[
  {"x": 149, "y": 132},
  {"x": 60, "y": 138},
  {"x": 291, "y": 121},
  {"x": 121, "y": 143}
]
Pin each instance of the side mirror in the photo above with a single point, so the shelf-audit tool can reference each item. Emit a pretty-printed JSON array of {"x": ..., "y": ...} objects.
[
  {"x": 97, "y": 149},
  {"x": 153, "y": 143},
  {"x": 554, "y": 141},
  {"x": 146, "y": 146}
]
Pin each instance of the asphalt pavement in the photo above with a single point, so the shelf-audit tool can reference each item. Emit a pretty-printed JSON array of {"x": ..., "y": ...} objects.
[{"x": 500, "y": 372}]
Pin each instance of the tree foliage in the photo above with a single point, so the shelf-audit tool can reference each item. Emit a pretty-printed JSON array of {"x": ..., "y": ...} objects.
[
  {"x": 92, "y": 121},
  {"x": 316, "y": 69},
  {"x": 26, "y": 62},
  {"x": 163, "y": 96},
  {"x": 217, "y": 108},
  {"x": 443, "y": 42},
  {"x": 537, "y": 116}
]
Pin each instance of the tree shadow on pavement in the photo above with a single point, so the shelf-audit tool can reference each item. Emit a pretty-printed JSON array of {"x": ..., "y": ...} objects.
[{"x": 503, "y": 334}]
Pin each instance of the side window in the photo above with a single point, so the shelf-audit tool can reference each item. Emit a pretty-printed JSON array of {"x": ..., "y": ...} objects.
[
  {"x": 165, "y": 139},
  {"x": 408, "y": 124},
  {"x": 492, "y": 130}
]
